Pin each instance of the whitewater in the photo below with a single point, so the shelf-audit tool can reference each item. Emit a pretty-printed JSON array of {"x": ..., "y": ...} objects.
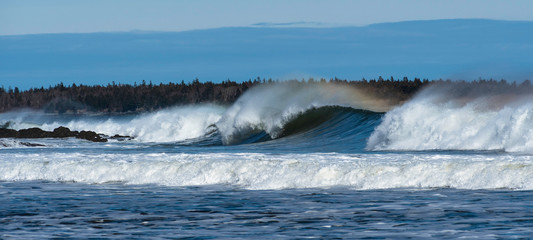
[{"x": 284, "y": 160}]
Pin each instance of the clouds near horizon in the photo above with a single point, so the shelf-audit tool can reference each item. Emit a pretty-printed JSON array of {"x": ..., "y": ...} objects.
[{"x": 66, "y": 16}]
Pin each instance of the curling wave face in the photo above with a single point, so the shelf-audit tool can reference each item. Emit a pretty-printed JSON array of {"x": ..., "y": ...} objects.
[
  {"x": 325, "y": 117},
  {"x": 294, "y": 137},
  {"x": 261, "y": 114},
  {"x": 269, "y": 108}
]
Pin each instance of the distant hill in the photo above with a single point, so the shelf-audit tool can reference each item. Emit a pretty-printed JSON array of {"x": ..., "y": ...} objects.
[{"x": 457, "y": 49}]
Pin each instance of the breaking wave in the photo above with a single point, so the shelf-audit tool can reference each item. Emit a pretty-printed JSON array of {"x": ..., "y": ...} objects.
[
  {"x": 452, "y": 117},
  {"x": 268, "y": 109},
  {"x": 286, "y": 171},
  {"x": 288, "y": 136},
  {"x": 283, "y": 116},
  {"x": 169, "y": 125},
  {"x": 261, "y": 114}
]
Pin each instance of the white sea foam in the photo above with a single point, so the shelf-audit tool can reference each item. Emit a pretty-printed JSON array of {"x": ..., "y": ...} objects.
[
  {"x": 265, "y": 108},
  {"x": 12, "y": 143},
  {"x": 21, "y": 119},
  {"x": 441, "y": 120},
  {"x": 168, "y": 125},
  {"x": 262, "y": 171}
]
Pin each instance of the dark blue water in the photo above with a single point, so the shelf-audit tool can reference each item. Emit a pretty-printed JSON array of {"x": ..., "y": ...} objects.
[{"x": 72, "y": 210}]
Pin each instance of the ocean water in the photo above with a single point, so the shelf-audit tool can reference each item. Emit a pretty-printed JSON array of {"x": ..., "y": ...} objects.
[{"x": 282, "y": 162}]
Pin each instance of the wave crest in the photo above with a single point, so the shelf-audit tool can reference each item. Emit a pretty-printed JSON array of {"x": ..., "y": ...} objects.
[
  {"x": 169, "y": 125},
  {"x": 452, "y": 117},
  {"x": 260, "y": 114},
  {"x": 269, "y": 108}
]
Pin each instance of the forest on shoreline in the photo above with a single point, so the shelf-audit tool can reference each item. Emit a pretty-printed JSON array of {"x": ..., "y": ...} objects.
[{"x": 124, "y": 98}]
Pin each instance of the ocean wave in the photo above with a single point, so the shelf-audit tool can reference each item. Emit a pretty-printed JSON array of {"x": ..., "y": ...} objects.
[
  {"x": 287, "y": 171},
  {"x": 269, "y": 108},
  {"x": 168, "y": 125},
  {"x": 445, "y": 117},
  {"x": 441, "y": 117},
  {"x": 260, "y": 114}
]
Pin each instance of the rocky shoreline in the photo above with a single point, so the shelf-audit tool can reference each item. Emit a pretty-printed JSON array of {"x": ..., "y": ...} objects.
[{"x": 60, "y": 132}]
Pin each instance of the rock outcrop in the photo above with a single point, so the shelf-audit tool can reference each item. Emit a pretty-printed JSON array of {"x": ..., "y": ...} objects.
[{"x": 60, "y": 132}]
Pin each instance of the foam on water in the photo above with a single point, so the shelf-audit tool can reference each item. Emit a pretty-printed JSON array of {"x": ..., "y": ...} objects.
[
  {"x": 265, "y": 108},
  {"x": 168, "y": 125},
  {"x": 12, "y": 143},
  {"x": 442, "y": 119},
  {"x": 287, "y": 171},
  {"x": 21, "y": 119}
]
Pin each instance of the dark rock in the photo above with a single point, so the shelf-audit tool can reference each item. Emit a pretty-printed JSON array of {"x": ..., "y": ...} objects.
[
  {"x": 91, "y": 136},
  {"x": 32, "y": 133},
  {"x": 63, "y": 132},
  {"x": 120, "y": 137},
  {"x": 28, "y": 144},
  {"x": 60, "y": 132},
  {"x": 7, "y": 133}
]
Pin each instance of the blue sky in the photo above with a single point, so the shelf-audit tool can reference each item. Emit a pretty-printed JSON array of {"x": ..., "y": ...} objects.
[
  {"x": 67, "y": 16},
  {"x": 455, "y": 49}
]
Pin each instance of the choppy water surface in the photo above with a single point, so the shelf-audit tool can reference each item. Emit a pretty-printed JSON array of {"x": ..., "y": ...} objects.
[
  {"x": 47, "y": 209},
  {"x": 279, "y": 163}
]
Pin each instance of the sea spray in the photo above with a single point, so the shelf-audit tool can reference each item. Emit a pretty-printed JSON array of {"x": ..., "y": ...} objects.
[
  {"x": 445, "y": 117},
  {"x": 269, "y": 108},
  {"x": 263, "y": 109},
  {"x": 168, "y": 125}
]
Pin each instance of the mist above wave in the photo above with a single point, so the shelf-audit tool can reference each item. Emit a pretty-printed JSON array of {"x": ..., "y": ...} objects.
[
  {"x": 444, "y": 116},
  {"x": 168, "y": 125},
  {"x": 263, "y": 109},
  {"x": 270, "y": 108},
  {"x": 460, "y": 117}
]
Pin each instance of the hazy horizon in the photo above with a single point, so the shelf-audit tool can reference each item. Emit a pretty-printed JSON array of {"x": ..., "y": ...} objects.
[
  {"x": 272, "y": 25},
  {"x": 457, "y": 49},
  {"x": 63, "y": 16}
]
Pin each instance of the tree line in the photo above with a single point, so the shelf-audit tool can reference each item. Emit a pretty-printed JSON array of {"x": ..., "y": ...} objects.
[
  {"x": 123, "y": 98},
  {"x": 120, "y": 97}
]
